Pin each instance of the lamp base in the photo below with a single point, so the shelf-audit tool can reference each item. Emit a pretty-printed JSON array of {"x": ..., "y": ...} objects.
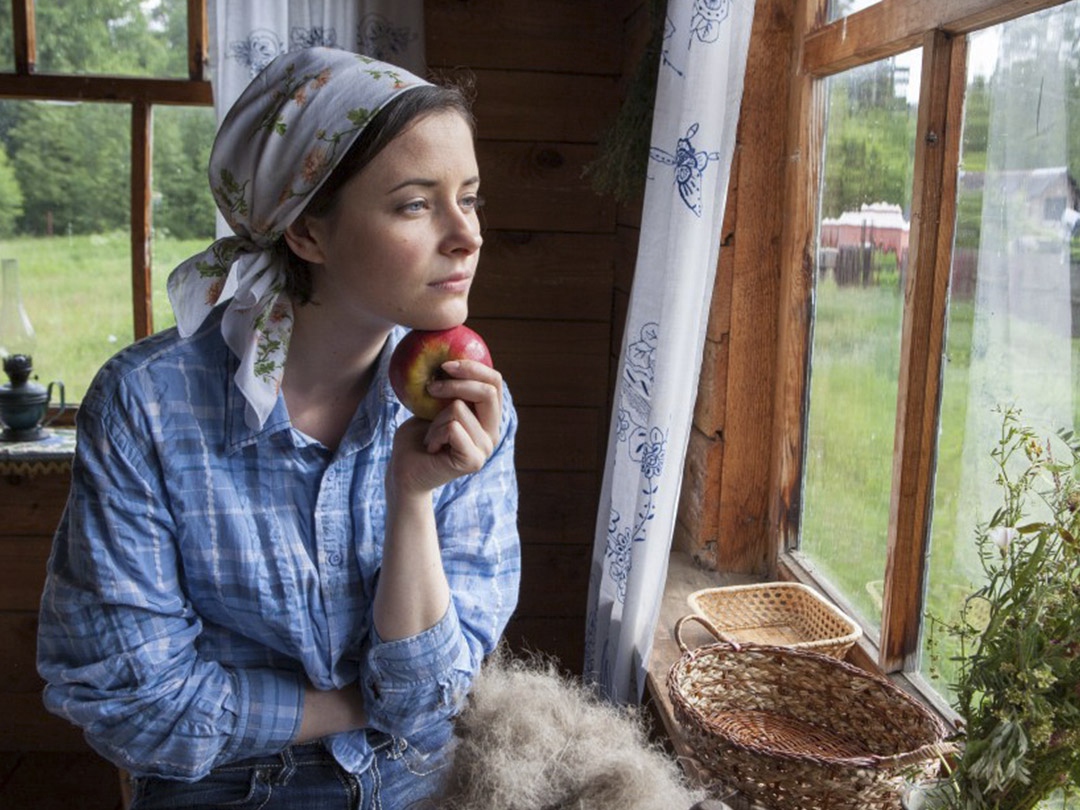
[{"x": 34, "y": 434}]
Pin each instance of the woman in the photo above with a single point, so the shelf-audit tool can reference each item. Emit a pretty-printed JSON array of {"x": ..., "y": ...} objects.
[{"x": 271, "y": 587}]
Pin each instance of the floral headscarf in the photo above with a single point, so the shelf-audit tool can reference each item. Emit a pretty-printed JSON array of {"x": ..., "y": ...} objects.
[{"x": 274, "y": 149}]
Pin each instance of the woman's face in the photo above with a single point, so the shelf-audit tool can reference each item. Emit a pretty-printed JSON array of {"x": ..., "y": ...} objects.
[{"x": 402, "y": 243}]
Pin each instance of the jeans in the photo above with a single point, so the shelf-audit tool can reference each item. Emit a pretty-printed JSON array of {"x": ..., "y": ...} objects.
[{"x": 304, "y": 777}]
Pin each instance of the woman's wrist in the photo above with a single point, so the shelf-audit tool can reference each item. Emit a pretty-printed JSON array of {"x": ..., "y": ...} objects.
[{"x": 330, "y": 712}]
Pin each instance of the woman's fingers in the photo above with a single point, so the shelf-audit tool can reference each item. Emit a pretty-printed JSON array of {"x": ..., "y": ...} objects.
[{"x": 476, "y": 384}]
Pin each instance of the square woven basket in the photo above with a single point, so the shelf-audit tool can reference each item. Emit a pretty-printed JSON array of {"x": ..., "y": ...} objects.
[{"x": 781, "y": 614}]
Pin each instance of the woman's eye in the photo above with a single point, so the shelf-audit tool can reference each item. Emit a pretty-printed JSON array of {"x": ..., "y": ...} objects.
[
  {"x": 414, "y": 206},
  {"x": 472, "y": 202}
]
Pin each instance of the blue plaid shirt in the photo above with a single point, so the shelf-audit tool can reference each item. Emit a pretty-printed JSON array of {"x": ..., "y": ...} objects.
[{"x": 203, "y": 571}]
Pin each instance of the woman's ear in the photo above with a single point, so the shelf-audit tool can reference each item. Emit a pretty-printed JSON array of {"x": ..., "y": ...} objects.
[{"x": 303, "y": 236}]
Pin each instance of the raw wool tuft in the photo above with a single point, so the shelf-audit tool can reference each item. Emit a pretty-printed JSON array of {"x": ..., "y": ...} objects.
[{"x": 533, "y": 739}]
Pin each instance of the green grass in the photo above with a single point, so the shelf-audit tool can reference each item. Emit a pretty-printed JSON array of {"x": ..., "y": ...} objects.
[
  {"x": 77, "y": 294},
  {"x": 850, "y": 430}
]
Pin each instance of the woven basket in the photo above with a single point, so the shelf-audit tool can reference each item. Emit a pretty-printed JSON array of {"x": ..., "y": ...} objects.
[
  {"x": 791, "y": 728},
  {"x": 780, "y": 614}
]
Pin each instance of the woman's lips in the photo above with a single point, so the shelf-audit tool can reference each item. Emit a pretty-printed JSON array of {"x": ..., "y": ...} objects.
[{"x": 456, "y": 283}]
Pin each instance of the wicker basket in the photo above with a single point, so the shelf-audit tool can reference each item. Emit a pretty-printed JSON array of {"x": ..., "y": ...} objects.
[
  {"x": 790, "y": 728},
  {"x": 781, "y": 614}
]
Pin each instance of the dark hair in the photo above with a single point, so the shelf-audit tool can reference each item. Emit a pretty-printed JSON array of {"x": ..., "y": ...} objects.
[{"x": 389, "y": 122}]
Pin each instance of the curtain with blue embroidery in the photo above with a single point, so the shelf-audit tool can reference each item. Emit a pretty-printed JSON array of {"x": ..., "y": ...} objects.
[
  {"x": 246, "y": 34},
  {"x": 699, "y": 90}
]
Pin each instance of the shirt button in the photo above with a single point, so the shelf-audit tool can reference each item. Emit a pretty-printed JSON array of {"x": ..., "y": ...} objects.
[{"x": 334, "y": 558}]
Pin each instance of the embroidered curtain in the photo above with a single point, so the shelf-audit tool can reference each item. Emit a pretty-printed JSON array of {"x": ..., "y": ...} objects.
[
  {"x": 699, "y": 91},
  {"x": 246, "y": 34}
]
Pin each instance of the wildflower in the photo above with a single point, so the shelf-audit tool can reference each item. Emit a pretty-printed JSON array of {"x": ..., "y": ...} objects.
[{"x": 1003, "y": 537}]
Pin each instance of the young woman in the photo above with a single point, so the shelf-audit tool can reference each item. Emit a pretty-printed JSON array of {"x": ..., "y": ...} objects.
[{"x": 271, "y": 587}]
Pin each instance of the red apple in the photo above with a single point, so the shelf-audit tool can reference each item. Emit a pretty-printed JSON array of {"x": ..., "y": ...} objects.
[{"x": 417, "y": 360}]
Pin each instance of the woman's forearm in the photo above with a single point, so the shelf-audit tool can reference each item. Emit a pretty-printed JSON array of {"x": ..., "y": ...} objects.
[{"x": 412, "y": 594}]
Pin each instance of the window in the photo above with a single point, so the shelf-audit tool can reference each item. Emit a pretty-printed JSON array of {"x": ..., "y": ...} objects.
[
  {"x": 863, "y": 230},
  {"x": 942, "y": 217},
  {"x": 106, "y": 122}
]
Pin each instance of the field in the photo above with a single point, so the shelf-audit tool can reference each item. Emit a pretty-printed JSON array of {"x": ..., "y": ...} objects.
[{"x": 77, "y": 294}]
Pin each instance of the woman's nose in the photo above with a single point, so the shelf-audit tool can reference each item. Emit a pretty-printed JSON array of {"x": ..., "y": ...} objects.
[{"x": 463, "y": 233}]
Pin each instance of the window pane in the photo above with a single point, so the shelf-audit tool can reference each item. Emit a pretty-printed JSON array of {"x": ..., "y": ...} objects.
[
  {"x": 863, "y": 235},
  {"x": 842, "y": 8},
  {"x": 116, "y": 37},
  {"x": 1014, "y": 311},
  {"x": 70, "y": 175},
  {"x": 183, "y": 208}
]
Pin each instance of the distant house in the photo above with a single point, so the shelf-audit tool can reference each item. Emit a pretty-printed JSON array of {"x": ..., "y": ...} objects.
[
  {"x": 881, "y": 225},
  {"x": 1046, "y": 199}
]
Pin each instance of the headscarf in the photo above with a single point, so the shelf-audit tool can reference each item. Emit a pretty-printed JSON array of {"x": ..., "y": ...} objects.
[{"x": 276, "y": 146}]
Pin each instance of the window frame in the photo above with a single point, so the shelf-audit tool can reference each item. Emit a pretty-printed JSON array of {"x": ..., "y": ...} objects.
[
  {"x": 889, "y": 28},
  {"x": 141, "y": 95}
]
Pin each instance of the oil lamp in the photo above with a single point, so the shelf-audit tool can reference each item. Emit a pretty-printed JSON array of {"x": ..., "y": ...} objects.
[{"x": 24, "y": 403}]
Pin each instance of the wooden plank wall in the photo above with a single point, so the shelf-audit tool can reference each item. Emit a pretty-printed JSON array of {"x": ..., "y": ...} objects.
[
  {"x": 546, "y": 78},
  {"x": 553, "y": 282},
  {"x": 29, "y": 511}
]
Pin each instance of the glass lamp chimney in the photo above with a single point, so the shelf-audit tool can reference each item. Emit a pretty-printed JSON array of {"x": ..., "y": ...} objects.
[{"x": 16, "y": 332}]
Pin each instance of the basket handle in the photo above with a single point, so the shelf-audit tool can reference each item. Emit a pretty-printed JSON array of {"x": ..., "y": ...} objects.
[
  {"x": 707, "y": 625},
  {"x": 935, "y": 750}
]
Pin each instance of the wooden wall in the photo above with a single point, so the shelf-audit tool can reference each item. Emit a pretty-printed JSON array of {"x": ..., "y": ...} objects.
[
  {"x": 547, "y": 82},
  {"x": 29, "y": 511},
  {"x": 554, "y": 277}
]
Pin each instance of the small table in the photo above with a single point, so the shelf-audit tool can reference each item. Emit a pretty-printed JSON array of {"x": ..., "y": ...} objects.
[{"x": 50, "y": 454}]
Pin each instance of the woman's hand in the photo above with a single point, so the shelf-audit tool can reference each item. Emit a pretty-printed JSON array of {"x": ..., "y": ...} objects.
[{"x": 459, "y": 440}]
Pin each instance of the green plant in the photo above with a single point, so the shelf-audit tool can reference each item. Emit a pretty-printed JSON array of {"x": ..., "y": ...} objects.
[{"x": 1017, "y": 683}]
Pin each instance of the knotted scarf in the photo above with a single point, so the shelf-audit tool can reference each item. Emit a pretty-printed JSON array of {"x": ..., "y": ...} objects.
[{"x": 274, "y": 149}]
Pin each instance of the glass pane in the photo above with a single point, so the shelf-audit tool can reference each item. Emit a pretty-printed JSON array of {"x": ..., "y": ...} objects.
[
  {"x": 1014, "y": 311},
  {"x": 855, "y": 355},
  {"x": 115, "y": 37},
  {"x": 7, "y": 50},
  {"x": 183, "y": 208},
  {"x": 842, "y": 8},
  {"x": 64, "y": 215}
]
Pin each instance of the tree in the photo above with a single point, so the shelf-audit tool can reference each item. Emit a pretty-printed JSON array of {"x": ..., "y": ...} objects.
[
  {"x": 183, "y": 207},
  {"x": 73, "y": 164},
  {"x": 11, "y": 197},
  {"x": 869, "y": 140}
]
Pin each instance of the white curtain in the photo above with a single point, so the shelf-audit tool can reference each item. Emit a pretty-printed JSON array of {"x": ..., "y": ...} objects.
[
  {"x": 1026, "y": 291},
  {"x": 246, "y": 34},
  {"x": 699, "y": 91}
]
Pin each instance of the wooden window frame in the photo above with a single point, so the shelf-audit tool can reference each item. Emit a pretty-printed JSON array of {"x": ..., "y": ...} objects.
[
  {"x": 141, "y": 94},
  {"x": 883, "y": 30}
]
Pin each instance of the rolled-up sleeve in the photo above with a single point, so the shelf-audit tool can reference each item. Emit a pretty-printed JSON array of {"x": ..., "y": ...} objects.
[
  {"x": 411, "y": 683},
  {"x": 117, "y": 639}
]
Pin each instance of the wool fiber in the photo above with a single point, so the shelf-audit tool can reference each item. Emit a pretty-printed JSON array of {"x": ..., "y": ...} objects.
[{"x": 531, "y": 738}]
